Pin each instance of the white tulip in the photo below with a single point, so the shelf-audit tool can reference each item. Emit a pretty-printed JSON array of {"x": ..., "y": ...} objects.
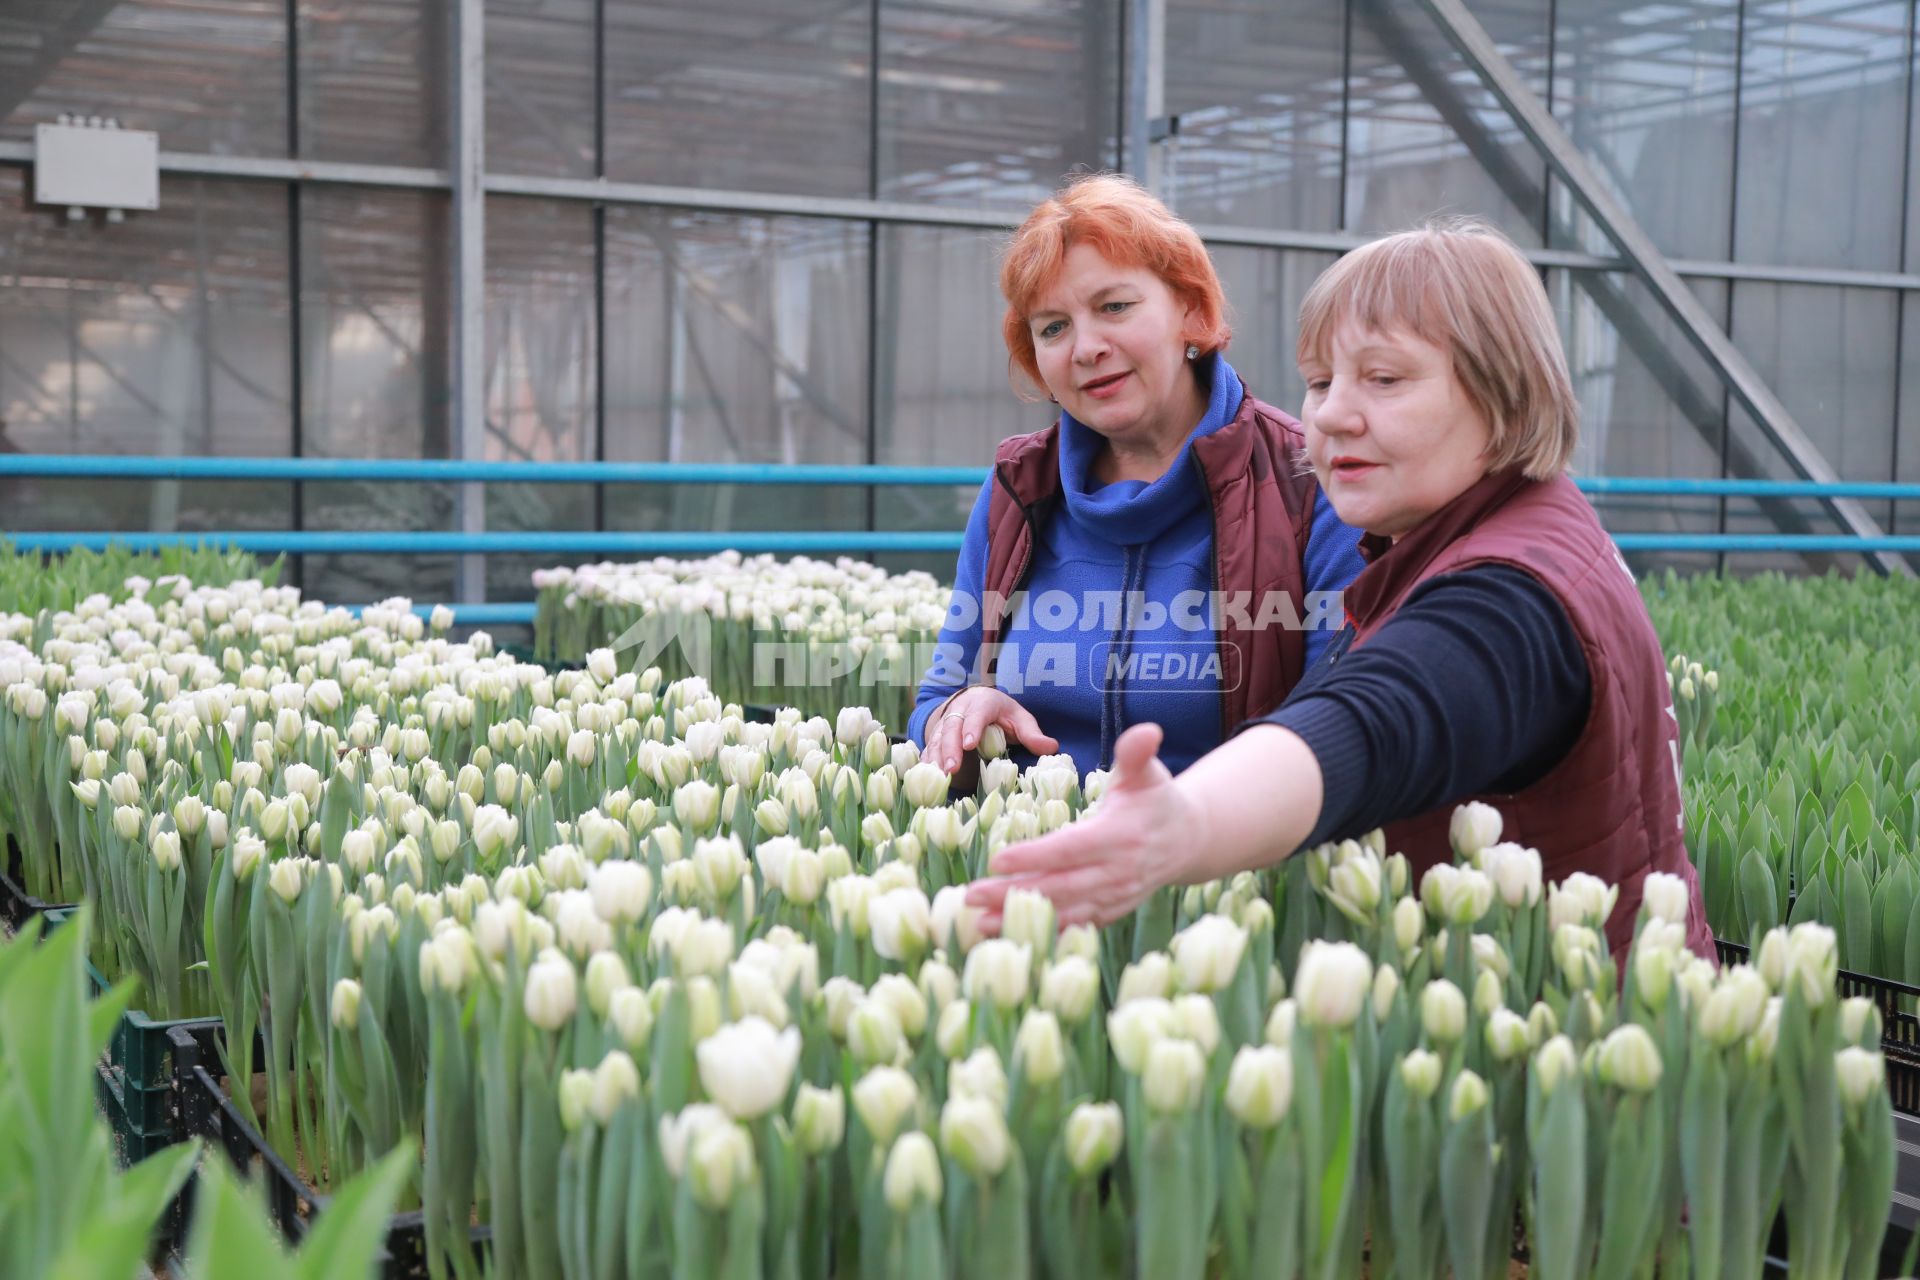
[
  {"x": 551, "y": 992},
  {"x": 747, "y": 1066},
  {"x": 953, "y": 1033},
  {"x": 1332, "y": 983},
  {"x": 1420, "y": 1073},
  {"x": 1515, "y": 872},
  {"x": 1581, "y": 899},
  {"x": 1457, "y": 895},
  {"x": 1260, "y": 1085},
  {"x": 1093, "y": 1135},
  {"x": 974, "y": 1134},
  {"x": 1039, "y": 1050},
  {"x": 1443, "y": 1011},
  {"x": 1860, "y": 1073},
  {"x": 819, "y": 1119},
  {"x": 1475, "y": 826},
  {"x": 1068, "y": 988},
  {"x": 1207, "y": 953},
  {"x": 900, "y": 994},
  {"x": 901, "y": 924},
  {"x": 882, "y": 1099},
  {"x": 1149, "y": 977},
  {"x": 1028, "y": 918},
  {"x": 1175, "y": 1076},
  {"x": 614, "y": 1081},
  {"x": 1506, "y": 1035},
  {"x": 344, "y": 1008},
  {"x": 925, "y": 785},
  {"x": 980, "y": 1075},
  {"x": 912, "y": 1174},
  {"x": 1665, "y": 897},
  {"x": 1468, "y": 1097},
  {"x": 955, "y": 925},
  {"x": 494, "y": 830},
  {"x": 719, "y": 1162},
  {"x": 1134, "y": 1028},
  {"x": 631, "y": 1016},
  {"x": 1629, "y": 1059},
  {"x": 621, "y": 890},
  {"x": 997, "y": 971},
  {"x": 874, "y": 1035}
]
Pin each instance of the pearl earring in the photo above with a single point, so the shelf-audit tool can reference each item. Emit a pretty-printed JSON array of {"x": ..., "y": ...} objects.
[{"x": 1193, "y": 352}]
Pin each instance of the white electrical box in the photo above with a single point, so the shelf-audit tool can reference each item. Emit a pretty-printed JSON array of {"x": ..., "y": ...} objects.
[{"x": 98, "y": 166}]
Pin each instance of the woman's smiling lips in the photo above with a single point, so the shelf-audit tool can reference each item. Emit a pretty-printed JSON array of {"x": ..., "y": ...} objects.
[{"x": 1104, "y": 388}]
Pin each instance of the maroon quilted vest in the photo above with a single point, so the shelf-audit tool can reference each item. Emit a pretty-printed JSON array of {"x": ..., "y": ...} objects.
[
  {"x": 1612, "y": 807},
  {"x": 1262, "y": 496}
]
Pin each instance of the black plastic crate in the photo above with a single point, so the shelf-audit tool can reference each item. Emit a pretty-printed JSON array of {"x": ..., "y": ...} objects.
[
  {"x": 1900, "y": 1028},
  {"x": 17, "y": 906},
  {"x": 207, "y": 1112}
]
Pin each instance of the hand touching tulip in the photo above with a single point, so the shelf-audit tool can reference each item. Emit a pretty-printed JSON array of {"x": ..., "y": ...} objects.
[
  {"x": 965, "y": 718},
  {"x": 1249, "y": 802}
]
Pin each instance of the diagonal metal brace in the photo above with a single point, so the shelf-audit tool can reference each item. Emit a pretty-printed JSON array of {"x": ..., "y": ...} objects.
[{"x": 1524, "y": 106}]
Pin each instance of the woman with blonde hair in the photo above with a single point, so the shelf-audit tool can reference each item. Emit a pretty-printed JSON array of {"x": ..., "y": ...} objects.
[
  {"x": 1496, "y": 647},
  {"x": 1162, "y": 552}
]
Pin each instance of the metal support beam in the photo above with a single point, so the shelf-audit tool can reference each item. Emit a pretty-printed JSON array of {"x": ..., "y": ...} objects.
[
  {"x": 1146, "y": 92},
  {"x": 1471, "y": 41},
  {"x": 468, "y": 164}
]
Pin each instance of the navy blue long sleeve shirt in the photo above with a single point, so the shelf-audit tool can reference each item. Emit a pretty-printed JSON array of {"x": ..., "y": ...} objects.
[{"x": 1477, "y": 684}]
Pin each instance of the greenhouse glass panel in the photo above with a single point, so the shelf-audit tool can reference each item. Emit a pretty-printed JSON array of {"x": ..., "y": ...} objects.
[
  {"x": 165, "y": 334},
  {"x": 374, "y": 81},
  {"x": 1647, "y": 92},
  {"x": 540, "y": 369},
  {"x": 1823, "y": 111},
  {"x": 206, "y": 75},
  {"x": 735, "y": 340},
  {"x": 1264, "y": 291},
  {"x": 755, "y": 95},
  {"x": 1257, "y": 88},
  {"x": 1425, "y": 138},
  {"x": 993, "y": 102},
  {"x": 375, "y": 370},
  {"x": 1649, "y": 404},
  {"x": 540, "y": 64}
]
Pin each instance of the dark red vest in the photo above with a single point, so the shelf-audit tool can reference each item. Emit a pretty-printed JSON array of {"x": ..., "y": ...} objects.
[
  {"x": 1612, "y": 807},
  {"x": 1262, "y": 494}
]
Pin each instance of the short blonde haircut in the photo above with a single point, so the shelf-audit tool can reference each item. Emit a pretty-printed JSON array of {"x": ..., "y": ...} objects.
[
  {"x": 1465, "y": 288},
  {"x": 1127, "y": 226}
]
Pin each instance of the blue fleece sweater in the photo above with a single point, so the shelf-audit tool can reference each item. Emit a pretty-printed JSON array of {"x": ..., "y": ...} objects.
[{"x": 1069, "y": 655}]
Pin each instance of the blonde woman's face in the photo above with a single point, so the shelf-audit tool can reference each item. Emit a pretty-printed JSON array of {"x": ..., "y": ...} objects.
[
  {"x": 1391, "y": 433},
  {"x": 1108, "y": 340}
]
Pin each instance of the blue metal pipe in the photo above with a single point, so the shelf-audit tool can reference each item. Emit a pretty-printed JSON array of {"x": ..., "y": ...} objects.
[
  {"x": 435, "y": 543},
  {"x": 431, "y": 470}
]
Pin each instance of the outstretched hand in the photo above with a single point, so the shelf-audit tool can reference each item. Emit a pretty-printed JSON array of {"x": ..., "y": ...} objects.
[{"x": 1102, "y": 867}]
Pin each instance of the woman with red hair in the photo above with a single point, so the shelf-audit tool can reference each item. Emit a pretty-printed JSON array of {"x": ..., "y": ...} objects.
[{"x": 1161, "y": 553}]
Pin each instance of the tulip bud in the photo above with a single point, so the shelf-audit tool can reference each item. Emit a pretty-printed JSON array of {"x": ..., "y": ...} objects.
[
  {"x": 1443, "y": 1011},
  {"x": 1860, "y": 1073},
  {"x": 1542, "y": 1025},
  {"x": 1207, "y": 953},
  {"x": 551, "y": 993},
  {"x": 939, "y": 984},
  {"x": 1094, "y": 1132},
  {"x": 1280, "y": 1023},
  {"x": 1039, "y": 1050},
  {"x": 882, "y": 1099},
  {"x": 997, "y": 971},
  {"x": 1665, "y": 897},
  {"x": 1176, "y": 1073},
  {"x": 1151, "y": 976},
  {"x": 1028, "y": 918},
  {"x": 1420, "y": 1073},
  {"x": 1332, "y": 983},
  {"x": 819, "y": 1119},
  {"x": 1409, "y": 924},
  {"x": 1260, "y": 1085},
  {"x": 631, "y": 1017},
  {"x": 344, "y": 1009},
  {"x": 874, "y": 1034},
  {"x": 287, "y": 879},
  {"x": 1068, "y": 989},
  {"x": 952, "y": 1034},
  {"x": 575, "y": 1096},
  {"x": 1474, "y": 827},
  {"x": 1469, "y": 1096},
  {"x": 606, "y": 974},
  {"x": 719, "y": 1160},
  {"x": 614, "y": 1081},
  {"x": 925, "y": 785},
  {"x": 1506, "y": 1035},
  {"x": 912, "y": 1174},
  {"x": 1860, "y": 1021},
  {"x": 900, "y": 922},
  {"x": 1629, "y": 1059}
]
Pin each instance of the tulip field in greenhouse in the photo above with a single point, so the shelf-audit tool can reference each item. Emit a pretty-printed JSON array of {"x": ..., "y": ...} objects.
[{"x": 604, "y": 972}]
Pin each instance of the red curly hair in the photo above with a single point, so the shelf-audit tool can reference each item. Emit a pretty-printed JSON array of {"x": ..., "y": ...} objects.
[{"x": 1127, "y": 226}]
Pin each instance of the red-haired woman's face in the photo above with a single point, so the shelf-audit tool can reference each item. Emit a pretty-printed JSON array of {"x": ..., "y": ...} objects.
[{"x": 1110, "y": 342}]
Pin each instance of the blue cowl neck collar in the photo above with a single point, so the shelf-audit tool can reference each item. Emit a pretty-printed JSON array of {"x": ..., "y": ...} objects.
[{"x": 1132, "y": 512}]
